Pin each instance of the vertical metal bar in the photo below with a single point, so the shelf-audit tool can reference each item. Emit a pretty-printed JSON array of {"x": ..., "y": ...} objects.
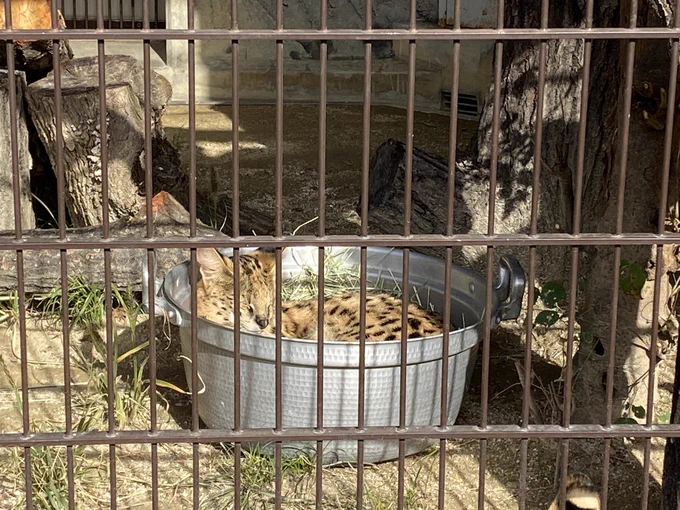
[
  {"x": 16, "y": 188},
  {"x": 110, "y": 13},
  {"x": 362, "y": 367},
  {"x": 148, "y": 164},
  {"x": 408, "y": 176},
  {"x": 191, "y": 62},
  {"x": 24, "y": 366},
  {"x": 120, "y": 14},
  {"x": 61, "y": 220},
  {"x": 659, "y": 267},
  {"x": 573, "y": 287},
  {"x": 279, "y": 121},
  {"x": 279, "y": 384},
  {"x": 108, "y": 302},
  {"x": 107, "y": 264},
  {"x": 237, "y": 375},
  {"x": 279, "y": 233},
  {"x": 235, "y": 123},
  {"x": 453, "y": 146},
  {"x": 110, "y": 367},
  {"x": 535, "y": 193},
  {"x": 490, "y": 254},
  {"x": 87, "y": 13},
  {"x": 323, "y": 61},
  {"x": 365, "y": 163},
  {"x": 623, "y": 164}
]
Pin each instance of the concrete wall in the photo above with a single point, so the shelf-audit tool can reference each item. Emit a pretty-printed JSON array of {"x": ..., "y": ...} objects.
[
  {"x": 77, "y": 8},
  {"x": 257, "y": 58},
  {"x": 254, "y": 14}
]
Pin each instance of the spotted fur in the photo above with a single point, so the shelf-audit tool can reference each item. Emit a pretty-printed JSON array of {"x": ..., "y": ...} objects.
[
  {"x": 581, "y": 495},
  {"x": 299, "y": 318}
]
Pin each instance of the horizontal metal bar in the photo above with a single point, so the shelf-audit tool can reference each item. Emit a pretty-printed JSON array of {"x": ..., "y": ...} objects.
[
  {"x": 340, "y": 433},
  {"x": 354, "y": 34},
  {"x": 430, "y": 240}
]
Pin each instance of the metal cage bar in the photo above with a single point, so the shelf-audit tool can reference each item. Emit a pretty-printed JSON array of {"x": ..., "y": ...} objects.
[{"x": 526, "y": 431}]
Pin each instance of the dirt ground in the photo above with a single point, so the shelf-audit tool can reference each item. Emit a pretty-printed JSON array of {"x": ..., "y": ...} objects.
[
  {"x": 257, "y": 153},
  {"x": 300, "y": 204}
]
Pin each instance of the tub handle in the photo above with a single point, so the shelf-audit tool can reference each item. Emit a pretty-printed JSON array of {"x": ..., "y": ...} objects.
[
  {"x": 510, "y": 288},
  {"x": 161, "y": 305}
]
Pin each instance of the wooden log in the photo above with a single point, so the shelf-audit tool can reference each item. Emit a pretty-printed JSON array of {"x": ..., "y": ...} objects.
[
  {"x": 24, "y": 156},
  {"x": 81, "y": 132},
  {"x": 42, "y": 267},
  {"x": 34, "y": 57},
  {"x": 429, "y": 203},
  {"x": 428, "y": 198}
]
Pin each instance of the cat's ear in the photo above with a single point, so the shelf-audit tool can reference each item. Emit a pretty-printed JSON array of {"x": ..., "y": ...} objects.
[
  {"x": 267, "y": 257},
  {"x": 212, "y": 265}
]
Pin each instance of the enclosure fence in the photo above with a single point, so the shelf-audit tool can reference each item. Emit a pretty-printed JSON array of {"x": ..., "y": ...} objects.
[{"x": 576, "y": 240}]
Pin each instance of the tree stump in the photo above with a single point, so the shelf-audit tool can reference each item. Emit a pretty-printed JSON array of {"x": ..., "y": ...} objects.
[
  {"x": 81, "y": 132},
  {"x": 6, "y": 172},
  {"x": 34, "y": 57},
  {"x": 429, "y": 203}
]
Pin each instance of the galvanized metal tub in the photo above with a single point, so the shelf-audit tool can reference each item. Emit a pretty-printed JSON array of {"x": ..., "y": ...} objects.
[{"x": 341, "y": 359}]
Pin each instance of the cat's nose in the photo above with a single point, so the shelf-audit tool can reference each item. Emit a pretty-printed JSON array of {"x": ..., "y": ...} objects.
[{"x": 262, "y": 321}]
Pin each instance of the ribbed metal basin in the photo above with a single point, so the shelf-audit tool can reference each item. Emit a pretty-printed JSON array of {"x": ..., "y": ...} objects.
[{"x": 341, "y": 359}]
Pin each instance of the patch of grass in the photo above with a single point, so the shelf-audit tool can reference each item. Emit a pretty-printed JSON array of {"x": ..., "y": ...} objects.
[
  {"x": 86, "y": 304},
  {"x": 49, "y": 468},
  {"x": 341, "y": 277},
  {"x": 131, "y": 403},
  {"x": 258, "y": 472}
]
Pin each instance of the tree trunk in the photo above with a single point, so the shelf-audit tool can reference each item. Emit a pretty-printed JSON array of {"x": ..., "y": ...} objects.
[
  {"x": 34, "y": 57},
  {"x": 81, "y": 132},
  {"x": 561, "y": 117},
  {"x": 6, "y": 172}
]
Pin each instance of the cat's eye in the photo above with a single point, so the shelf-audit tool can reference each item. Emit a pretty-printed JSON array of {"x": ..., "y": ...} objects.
[{"x": 251, "y": 309}]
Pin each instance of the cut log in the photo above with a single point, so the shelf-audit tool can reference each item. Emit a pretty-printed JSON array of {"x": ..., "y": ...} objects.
[
  {"x": 42, "y": 267},
  {"x": 34, "y": 57},
  {"x": 429, "y": 199},
  {"x": 24, "y": 156},
  {"x": 429, "y": 204},
  {"x": 81, "y": 132}
]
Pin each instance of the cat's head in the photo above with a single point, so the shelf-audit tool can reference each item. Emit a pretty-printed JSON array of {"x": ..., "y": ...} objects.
[{"x": 257, "y": 286}]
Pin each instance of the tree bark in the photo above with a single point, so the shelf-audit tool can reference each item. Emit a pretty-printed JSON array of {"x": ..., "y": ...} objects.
[
  {"x": 429, "y": 199},
  {"x": 81, "y": 133},
  {"x": 561, "y": 117},
  {"x": 34, "y": 57},
  {"x": 6, "y": 158}
]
